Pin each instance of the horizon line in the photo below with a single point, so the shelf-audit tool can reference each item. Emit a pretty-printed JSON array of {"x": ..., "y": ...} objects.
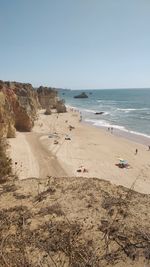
[
  {"x": 124, "y": 88},
  {"x": 66, "y": 88}
]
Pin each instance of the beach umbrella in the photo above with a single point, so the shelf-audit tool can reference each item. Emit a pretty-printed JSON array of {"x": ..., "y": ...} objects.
[
  {"x": 124, "y": 162},
  {"x": 121, "y": 159}
]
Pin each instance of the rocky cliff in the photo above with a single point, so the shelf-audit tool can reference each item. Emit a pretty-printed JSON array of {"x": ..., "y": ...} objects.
[
  {"x": 19, "y": 103},
  {"x": 18, "y": 106},
  {"x": 48, "y": 98},
  {"x": 7, "y": 121}
]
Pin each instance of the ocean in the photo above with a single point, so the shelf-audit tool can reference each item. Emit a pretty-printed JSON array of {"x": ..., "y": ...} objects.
[{"x": 126, "y": 110}]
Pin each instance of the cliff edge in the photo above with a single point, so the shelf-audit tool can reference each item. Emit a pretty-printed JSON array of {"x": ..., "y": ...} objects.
[
  {"x": 19, "y": 103},
  {"x": 18, "y": 106},
  {"x": 70, "y": 222}
]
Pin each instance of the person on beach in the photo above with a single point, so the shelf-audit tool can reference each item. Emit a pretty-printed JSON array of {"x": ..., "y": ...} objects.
[
  {"x": 80, "y": 118},
  {"x": 149, "y": 148},
  {"x": 111, "y": 129},
  {"x": 136, "y": 151}
]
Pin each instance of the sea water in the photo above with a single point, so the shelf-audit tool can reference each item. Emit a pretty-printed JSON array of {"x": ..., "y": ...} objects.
[{"x": 127, "y": 110}]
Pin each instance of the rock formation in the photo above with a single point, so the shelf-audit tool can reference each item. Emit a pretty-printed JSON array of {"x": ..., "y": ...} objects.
[
  {"x": 48, "y": 99},
  {"x": 19, "y": 103},
  {"x": 99, "y": 113},
  {"x": 48, "y": 111},
  {"x": 18, "y": 106},
  {"x": 60, "y": 106},
  {"x": 7, "y": 121},
  {"x": 82, "y": 95}
]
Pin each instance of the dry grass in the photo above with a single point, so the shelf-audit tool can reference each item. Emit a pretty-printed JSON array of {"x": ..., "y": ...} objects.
[{"x": 51, "y": 228}]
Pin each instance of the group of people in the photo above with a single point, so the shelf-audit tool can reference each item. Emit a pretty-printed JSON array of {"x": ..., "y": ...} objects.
[{"x": 110, "y": 129}]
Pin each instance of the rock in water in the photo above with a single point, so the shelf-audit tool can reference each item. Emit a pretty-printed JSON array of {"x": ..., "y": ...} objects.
[
  {"x": 82, "y": 95},
  {"x": 99, "y": 113}
]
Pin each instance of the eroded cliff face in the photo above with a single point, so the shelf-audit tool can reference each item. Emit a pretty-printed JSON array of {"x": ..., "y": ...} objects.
[
  {"x": 48, "y": 98},
  {"x": 19, "y": 103},
  {"x": 25, "y": 108},
  {"x": 60, "y": 106},
  {"x": 18, "y": 106},
  {"x": 7, "y": 121}
]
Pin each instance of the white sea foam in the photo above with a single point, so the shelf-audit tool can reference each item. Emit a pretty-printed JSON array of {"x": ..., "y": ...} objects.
[
  {"x": 131, "y": 109},
  {"x": 93, "y": 111},
  {"x": 131, "y": 113},
  {"x": 106, "y": 113},
  {"x": 106, "y": 102},
  {"x": 87, "y": 110},
  {"x": 103, "y": 123},
  {"x": 69, "y": 106},
  {"x": 140, "y": 134},
  {"x": 81, "y": 109}
]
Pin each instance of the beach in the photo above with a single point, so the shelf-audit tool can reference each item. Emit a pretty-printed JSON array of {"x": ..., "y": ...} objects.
[
  {"x": 126, "y": 110},
  {"x": 52, "y": 149}
]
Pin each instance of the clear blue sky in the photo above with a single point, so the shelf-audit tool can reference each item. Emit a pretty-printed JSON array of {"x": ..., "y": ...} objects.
[{"x": 76, "y": 43}]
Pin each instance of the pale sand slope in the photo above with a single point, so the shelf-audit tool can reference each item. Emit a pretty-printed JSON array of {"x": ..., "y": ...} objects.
[
  {"x": 32, "y": 158},
  {"x": 97, "y": 150},
  {"x": 24, "y": 162}
]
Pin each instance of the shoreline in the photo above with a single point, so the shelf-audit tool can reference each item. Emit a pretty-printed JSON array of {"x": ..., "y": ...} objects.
[
  {"x": 127, "y": 134},
  {"x": 91, "y": 148},
  {"x": 136, "y": 138}
]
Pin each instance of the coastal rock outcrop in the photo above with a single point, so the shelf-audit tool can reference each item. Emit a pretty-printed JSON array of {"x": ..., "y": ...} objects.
[
  {"x": 18, "y": 106},
  {"x": 48, "y": 99},
  {"x": 7, "y": 121},
  {"x": 19, "y": 103},
  {"x": 82, "y": 95},
  {"x": 48, "y": 111},
  {"x": 60, "y": 106}
]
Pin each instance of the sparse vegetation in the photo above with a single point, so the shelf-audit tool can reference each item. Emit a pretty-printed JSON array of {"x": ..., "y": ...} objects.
[
  {"x": 5, "y": 162},
  {"x": 54, "y": 227}
]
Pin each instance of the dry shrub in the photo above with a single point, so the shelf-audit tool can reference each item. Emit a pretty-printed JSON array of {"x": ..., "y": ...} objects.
[
  {"x": 53, "y": 209},
  {"x": 5, "y": 163}
]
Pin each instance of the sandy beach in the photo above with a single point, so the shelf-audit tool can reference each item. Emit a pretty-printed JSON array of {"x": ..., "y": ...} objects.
[{"x": 46, "y": 152}]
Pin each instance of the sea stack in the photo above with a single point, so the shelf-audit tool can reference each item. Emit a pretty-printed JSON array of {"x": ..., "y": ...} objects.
[{"x": 82, "y": 95}]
